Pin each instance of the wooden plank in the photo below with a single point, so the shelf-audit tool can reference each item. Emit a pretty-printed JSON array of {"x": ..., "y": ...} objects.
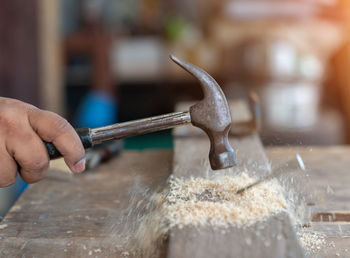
[
  {"x": 328, "y": 170},
  {"x": 272, "y": 238},
  {"x": 83, "y": 215},
  {"x": 331, "y": 216},
  {"x": 92, "y": 204},
  {"x": 191, "y": 160},
  {"x": 191, "y": 157},
  {"x": 337, "y": 237}
]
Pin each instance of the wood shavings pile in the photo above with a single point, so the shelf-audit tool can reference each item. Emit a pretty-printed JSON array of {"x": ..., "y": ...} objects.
[{"x": 200, "y": 201}]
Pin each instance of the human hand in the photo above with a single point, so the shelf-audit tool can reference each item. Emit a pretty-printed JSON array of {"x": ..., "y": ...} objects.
[{"x": 23, "y": 128}]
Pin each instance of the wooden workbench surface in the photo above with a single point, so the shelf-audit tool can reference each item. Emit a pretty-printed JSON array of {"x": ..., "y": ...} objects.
[
  {"x": 82, "y": 216},
  {"x": 328, "y": 170}
]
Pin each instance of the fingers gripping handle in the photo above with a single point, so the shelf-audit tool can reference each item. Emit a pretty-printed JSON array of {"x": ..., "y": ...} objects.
[{"x": 84, "y": 135}]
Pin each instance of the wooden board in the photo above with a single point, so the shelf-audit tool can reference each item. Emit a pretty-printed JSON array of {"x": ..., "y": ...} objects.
[
  {"x": 191, "y": 157},
  {"x": 328, "y": 171},
  {"x": 191, "y": 160},
  {"x": 88, "y": 204},
  {"x": 84, "y": 215},
  {"x": 272, "y": 238},
  {"x": 328, "y": 180}
]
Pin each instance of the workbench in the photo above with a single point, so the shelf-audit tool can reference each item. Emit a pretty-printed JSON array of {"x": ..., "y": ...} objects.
[{"x": 84, "y": 215}]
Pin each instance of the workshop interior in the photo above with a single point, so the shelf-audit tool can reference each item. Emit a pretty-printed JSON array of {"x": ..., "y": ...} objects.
[{"x": 285, "y": 63}]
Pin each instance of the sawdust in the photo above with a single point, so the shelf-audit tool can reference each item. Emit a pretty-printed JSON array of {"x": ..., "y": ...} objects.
[
  {"x": 210, "y": 202},
  {"x": 311, "y": 241},
  {"x": 200, "y": 201},
  {"x": 314, "y": 242}
]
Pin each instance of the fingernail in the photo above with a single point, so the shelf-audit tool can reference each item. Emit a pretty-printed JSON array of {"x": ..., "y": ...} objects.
[{"x": 79, "y": 166}]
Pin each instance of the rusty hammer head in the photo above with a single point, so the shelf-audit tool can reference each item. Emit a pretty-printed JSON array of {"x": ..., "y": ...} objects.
[{"x": 213, "y": 116}]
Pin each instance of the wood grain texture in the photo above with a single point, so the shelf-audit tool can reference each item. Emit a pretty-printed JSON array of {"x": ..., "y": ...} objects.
[
  {"x": 329, "y": 177},
  {"x": 191, "y": 157},
  {"x": 272, "y": 238},
  {"x": 72, "y": 216},
  {"x": 328, "y": 170},
  {"x": 76, "y": 214}
]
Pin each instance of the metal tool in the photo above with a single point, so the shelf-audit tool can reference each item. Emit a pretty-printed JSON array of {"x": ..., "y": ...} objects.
[
  {"x": 211, "y": 114},
  {"x": 253, "y": 125},
  {"x": 291, "y": 165},
  {"x": 103, "y": 153}
]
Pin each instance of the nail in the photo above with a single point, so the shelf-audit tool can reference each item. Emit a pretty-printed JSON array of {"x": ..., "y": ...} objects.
[{"x": 79, "y": 166}]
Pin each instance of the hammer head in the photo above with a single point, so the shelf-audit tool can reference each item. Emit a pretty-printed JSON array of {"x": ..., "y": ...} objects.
[{"x": 213, "y": 116}]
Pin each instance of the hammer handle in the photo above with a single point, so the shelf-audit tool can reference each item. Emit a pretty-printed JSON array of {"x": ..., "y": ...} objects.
[
  {"x": 138, "y": 127},
  {"x": 84, "y": 135},
  {"x": 90, "y": 137}
]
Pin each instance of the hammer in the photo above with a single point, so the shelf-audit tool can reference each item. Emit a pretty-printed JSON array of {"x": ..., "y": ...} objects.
[{"x": 211, "y": 114}]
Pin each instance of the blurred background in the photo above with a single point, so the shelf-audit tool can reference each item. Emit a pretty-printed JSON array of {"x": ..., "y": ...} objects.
[{"x": 97, "y": 62}]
